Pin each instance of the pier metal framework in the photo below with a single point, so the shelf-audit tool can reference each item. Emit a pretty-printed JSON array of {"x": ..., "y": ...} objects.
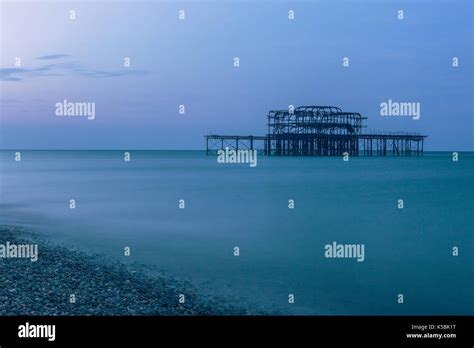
[
  {"x": 320, "y": 131},
  {"x": 235, "y": 142}
]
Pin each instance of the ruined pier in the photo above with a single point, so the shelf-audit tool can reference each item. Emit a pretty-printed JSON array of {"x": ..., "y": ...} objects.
[{"x": 319, "y": 131}]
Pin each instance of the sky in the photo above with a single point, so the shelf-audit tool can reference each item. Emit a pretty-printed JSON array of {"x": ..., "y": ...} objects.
[{"x": 190, "y": 62}]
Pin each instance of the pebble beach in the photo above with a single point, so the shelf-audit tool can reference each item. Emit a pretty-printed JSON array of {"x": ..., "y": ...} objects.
[{"x": 98, "y": 286}]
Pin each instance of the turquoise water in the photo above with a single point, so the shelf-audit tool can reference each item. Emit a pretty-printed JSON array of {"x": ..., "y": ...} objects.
[{"x": 135, "y": 204}]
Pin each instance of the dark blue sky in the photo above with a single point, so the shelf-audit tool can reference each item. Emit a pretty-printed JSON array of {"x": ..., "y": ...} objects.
[{"x": 190, "y": 62}]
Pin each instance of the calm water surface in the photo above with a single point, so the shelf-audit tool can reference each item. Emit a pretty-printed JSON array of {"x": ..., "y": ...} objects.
[{"x": 135, "y": 204}]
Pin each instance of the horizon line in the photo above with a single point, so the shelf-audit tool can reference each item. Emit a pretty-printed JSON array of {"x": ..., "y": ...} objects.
[{"x": 203, "y": 150}]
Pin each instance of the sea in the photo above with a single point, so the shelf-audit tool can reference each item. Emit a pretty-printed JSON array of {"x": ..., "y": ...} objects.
[{"x": 258, "y": 236}]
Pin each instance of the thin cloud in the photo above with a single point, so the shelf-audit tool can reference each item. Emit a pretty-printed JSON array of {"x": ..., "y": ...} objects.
[
  {"x": 11, "y": 74},
  {"x": 10, "y": 101},
  {"x": 53, "y": 56},
  {"x": 68, "y": 68}
]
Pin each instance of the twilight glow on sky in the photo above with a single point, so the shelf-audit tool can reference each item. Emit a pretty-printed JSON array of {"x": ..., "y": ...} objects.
[{"x": 46, "y": 57}]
